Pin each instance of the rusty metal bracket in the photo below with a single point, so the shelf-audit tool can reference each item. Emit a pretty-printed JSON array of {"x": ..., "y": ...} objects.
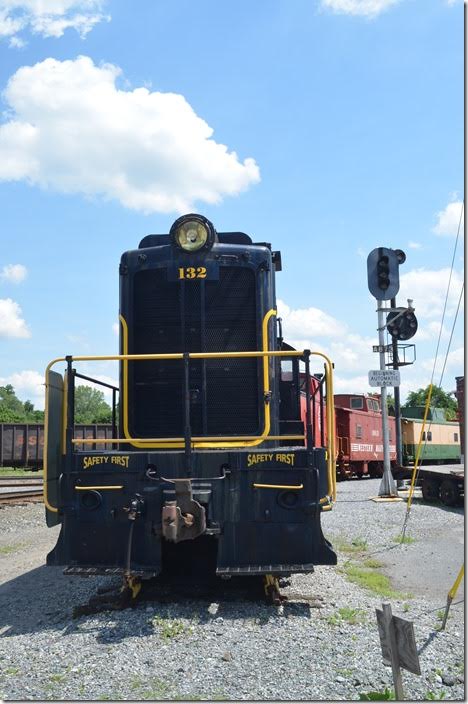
[{"x": 184, "y": 518}]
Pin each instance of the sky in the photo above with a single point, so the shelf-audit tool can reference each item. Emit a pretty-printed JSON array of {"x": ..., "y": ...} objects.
[{"x": 326, "y": 127}]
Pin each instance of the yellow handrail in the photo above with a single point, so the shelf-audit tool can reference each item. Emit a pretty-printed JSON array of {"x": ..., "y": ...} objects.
[
  {"x": 278, "y": 486},
  {"x": 120, "y": 441},
  {"x": 330, "y": 422},
  {"x": 210, "y": 442},
  {"x": 100, "y": 488}
]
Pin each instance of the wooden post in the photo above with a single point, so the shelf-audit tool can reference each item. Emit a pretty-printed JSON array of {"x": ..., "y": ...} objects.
[{"x": 397, "y": 678}]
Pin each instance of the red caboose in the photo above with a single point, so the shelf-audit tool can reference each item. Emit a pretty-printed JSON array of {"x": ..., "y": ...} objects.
[{"x": 359, "y": 436}]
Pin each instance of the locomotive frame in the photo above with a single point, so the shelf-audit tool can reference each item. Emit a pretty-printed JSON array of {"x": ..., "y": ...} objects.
[{"x": 236, "y": 503}]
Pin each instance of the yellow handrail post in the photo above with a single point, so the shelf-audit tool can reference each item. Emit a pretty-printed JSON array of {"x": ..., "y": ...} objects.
[{"x": 451, "y": 595}]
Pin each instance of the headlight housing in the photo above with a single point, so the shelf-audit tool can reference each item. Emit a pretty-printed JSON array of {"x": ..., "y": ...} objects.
[{"x": 192, "y": 233}]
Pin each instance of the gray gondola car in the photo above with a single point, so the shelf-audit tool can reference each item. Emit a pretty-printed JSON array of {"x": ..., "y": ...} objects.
[{"x": 22, "y": 444}]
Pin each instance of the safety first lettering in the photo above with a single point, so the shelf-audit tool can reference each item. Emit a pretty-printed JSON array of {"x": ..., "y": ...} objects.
[
  {"x": 284, "y": 458},
  {"x": 120, "y": 460}
]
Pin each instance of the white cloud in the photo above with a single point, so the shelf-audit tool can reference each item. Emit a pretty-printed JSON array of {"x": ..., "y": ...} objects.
[
  {"x": 48, "y": 18},
  {"x": 115, "y": 328},
  {"x": 349, "y": 351},
  {"x": 101, "y": 377},
  {"x": 363, "y": 8},
  {"x": 455, "y": 360},
  {"x": 11, "y": 322},
  {"x": 28, "y": 385},
  {"x": 352, "y": 385},
  {"x": 449, "y": 219},
  {"x": 431, "y": 331},
  {"x": 14, "y": 273},
  {"x": 354, "y": 353},
  {"x": 16, "y": 42},
  {"x": 414, "y": 245},
  {"x": 71, "y": 129},
  {"x": 428, "y": 290},
  {"x": 308, "y": 322}
]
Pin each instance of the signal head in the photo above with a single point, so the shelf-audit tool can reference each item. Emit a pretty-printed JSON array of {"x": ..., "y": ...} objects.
[
  {"x": 382, "y": 273},
  {"x": 404, "y": 327}
]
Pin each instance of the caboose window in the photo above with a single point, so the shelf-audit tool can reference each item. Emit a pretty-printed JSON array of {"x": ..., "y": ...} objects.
[
  {"x": 357, "y": 403},
  {"x": 358, "y": 431},
  {"x": 429, "y": 435},
  {"x": 455, "y": 437}
]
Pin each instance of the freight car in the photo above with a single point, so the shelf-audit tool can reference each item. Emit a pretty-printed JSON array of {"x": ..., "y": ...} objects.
[
  {"x": 207, "y": 472},
  {"x": 359, "y": 436},
  {"x": 440, "y": 439},
  {"x": 22, "y": 444}
]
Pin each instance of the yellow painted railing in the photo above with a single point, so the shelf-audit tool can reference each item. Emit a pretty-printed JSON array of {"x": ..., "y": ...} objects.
[{"x": 206, "y": 442}]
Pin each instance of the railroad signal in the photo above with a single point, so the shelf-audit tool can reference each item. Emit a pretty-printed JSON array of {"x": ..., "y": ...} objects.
[
  {"x": 402, "y": 324},
  {"x": 383, "y": 276}
]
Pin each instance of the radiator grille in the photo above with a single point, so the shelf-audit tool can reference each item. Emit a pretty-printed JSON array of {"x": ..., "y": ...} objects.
[{"x": 194, "y": 316}]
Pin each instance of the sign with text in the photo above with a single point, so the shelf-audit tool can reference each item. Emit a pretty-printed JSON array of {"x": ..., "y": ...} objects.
[
  {"x": 384, "y": 377},
  {"x": 407, "y": 652}
]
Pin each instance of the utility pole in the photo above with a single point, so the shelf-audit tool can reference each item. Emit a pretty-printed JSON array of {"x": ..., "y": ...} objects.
[
  {"x": 388, "y": 484},
  {"x": 396, "y": 394}
]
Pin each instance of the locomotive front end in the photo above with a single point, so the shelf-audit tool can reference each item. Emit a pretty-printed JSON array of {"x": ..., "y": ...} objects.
[{"x": 213, "y": 468}]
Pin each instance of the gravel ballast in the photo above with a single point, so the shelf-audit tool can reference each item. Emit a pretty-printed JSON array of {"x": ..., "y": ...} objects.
[{"x": 321, "y": 644}]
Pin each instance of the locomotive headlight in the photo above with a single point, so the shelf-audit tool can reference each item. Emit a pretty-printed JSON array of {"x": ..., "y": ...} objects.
[
  {"x": 191, "y": 236},
  {"x": 192, "y": 233}
]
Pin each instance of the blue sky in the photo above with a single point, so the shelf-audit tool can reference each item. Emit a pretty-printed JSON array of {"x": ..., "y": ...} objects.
[{"x": 327, "y": 127}]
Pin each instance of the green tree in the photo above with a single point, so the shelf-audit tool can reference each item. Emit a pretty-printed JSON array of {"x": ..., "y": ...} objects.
[
  {"x": 390, "y": 404},
  {"x": 90, "y": 406},
  {"x": 11, "y": 408},
  {"x": 32, "y": 415},
  {"x": 439, "y": 399}
]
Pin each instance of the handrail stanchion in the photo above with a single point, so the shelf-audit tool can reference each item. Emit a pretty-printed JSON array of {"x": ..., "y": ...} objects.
[
  {"x": 322, "y": 428},
  {"x": 309, "y": 442},
  {"x": 114, "y": 413},
  {"x": 187, "y": 428},
  {"x": 70, "y": 406}
]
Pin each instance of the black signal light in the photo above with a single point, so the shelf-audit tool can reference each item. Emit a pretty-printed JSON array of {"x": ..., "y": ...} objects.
[
  {"x": 383, "y": 276},
  {"x": 383, "y": 273}
]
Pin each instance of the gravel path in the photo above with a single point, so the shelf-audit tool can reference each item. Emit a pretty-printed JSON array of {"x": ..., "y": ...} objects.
[{"x": 322, "y": 644}]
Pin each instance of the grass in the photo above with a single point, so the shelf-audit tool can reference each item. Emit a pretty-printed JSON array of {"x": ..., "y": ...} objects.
[
  {"x": 155, "y": 689},
  {"x": 372, "y": 563},
  {"x": 356, "y": 545},
  {"x": 347, "y": 615},
  {"x": 170, "y": 628},
  {"x": 407, "y": 540},
  {"x": 371, "y": 580},
  {"x": 8, "y": 549},
  {"x": 385, "y": 695},
  {"x": 11, "y": 671},
  {"x": 19, "y": 472}
]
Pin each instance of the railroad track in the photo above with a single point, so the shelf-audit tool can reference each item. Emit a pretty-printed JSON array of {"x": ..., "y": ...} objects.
[
  {"x": 20, "y": 481},
  {"x": 27, "y": 495}
]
